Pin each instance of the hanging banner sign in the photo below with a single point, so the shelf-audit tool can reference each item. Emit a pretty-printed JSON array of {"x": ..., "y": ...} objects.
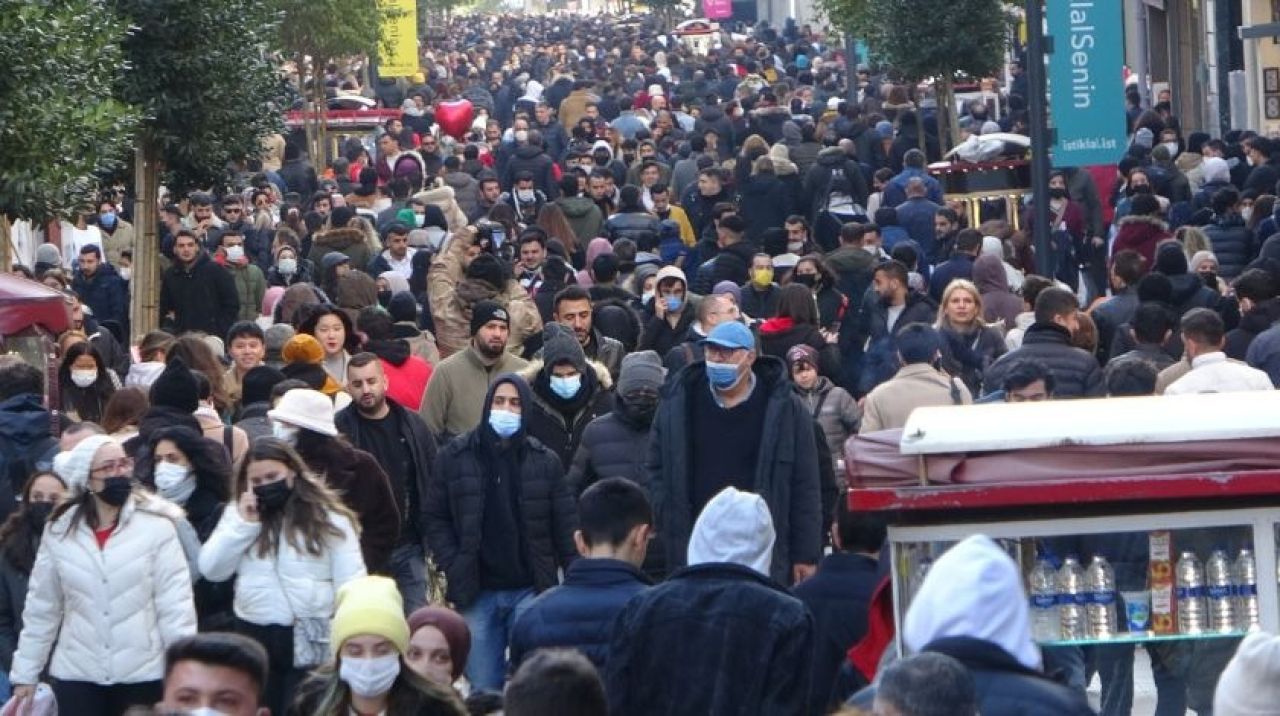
[
  {"x": 1086, "y": 90},
  {"x": 717, "y": 9},
  {"x": 398, "y": 55}
]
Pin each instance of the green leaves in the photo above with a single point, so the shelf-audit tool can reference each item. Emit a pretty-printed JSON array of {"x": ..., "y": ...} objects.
[{"x": 59, "y": 124}]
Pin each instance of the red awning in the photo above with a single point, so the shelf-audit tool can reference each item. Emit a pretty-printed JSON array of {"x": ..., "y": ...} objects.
[{"x": 25, "y": 303}]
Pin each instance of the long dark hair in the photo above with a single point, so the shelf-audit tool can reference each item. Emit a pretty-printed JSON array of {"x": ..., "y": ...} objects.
[
  {"x": 795, "y": 301},
  {"x": 351, "y": 341},
  {"x": 213, "y": 474},
  {"x": 89, "y": 403},
  {"x": 306, "y": 515},
  {"x": 18, "y": 542}
]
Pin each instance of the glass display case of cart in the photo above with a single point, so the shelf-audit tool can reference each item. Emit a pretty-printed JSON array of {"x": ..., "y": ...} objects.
[
  {"x": 32, "y": 316},
  {"x": 1165, "y": 533}
]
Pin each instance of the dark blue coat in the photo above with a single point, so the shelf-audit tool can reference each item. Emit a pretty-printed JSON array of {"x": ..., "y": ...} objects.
[
  {"x": 1007, "y": 688},
  {"x": 26, "y": 445},
  {"x": 713, "y": 640},
  {"x": 578, "y": 614},
  {"x": 1232, "y": 243},
  {"x": 916, "y": 216},
  {"x": 958, "y": 266},
  {"x": 838, "y": 596},
  {"x": 105, "y": 293}
]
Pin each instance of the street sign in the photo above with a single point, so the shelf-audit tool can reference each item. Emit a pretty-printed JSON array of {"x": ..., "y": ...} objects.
[{"x": 1086, "y": 75}]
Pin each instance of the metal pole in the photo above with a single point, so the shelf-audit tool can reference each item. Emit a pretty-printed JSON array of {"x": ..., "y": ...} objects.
[
  {"x": 1038, "y": 124},
  {"x": 851, "y": 68}
]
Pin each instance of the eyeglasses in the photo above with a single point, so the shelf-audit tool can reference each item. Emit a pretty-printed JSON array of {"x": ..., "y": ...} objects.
[{"x": 124, "y": 464}]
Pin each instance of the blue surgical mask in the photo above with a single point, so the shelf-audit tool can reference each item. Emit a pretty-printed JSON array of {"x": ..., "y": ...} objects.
[
  {"x": 566, "y": 386},
  {"x": 504, "y": 422},
  {"x": 723, "y": 376},
  {"x": 107, "y": 220},
  {"x": 673, "y": 303}
]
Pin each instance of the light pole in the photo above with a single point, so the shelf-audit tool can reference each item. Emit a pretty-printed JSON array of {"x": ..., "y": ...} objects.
[{"x": 1039, "y": 127}]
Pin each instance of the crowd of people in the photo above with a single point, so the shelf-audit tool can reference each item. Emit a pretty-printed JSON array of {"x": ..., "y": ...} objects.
[{"x": 538, "y": 399}]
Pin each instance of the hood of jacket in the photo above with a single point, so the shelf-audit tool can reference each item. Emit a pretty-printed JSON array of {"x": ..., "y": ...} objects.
[
  {"x": 600, "y": 370},
  {"x": 974, "y": 590},
  {"x": 850, "y": 258},
  {"x": 1185, "y": 286},
  {"x": 340, "y": 239},
  {"x": 712, "y": 114},
  {"x": 439, "y": 195},
  {"x": 736, "y": 528},
  {"x": 23, "y": 420},
  {"x": 989, "y": 274},
  {"x": 576, "y": 207},
  {"x": 777, "y": 326},
  {"x": 526, "y": 398},
  {"x": 459, "y": 180},
  {"x": 394, "y": 351},
  {"x": 1147, "y": 224},
  {"x": 832, "y": 158},
  {"x": 527, "y": 151},
  {"x": 1261, "y": 317},
  {"x": 1187, "y": 161}
]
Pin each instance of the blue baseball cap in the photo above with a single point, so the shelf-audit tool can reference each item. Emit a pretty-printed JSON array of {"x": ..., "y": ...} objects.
[{"x": 732, "y": 335}]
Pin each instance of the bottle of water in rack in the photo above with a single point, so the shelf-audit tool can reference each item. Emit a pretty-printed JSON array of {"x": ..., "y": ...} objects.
[
  {"x": 1189, "y": 587},
  {"x": 917, "y": 576},
  {"x": 1246, "y": 576},
  {"x": 1221, "y": 592},
  {"x": 1071, "y": 600},
  {"x": 1046, "y": 623},
  {"x": 1100, "y": 583}
]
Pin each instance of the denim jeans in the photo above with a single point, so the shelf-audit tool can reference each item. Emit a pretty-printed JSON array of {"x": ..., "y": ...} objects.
[
  {"x": 409, "y": 567},
  {"x": 1114, "y": 664},
  {"x": 490, "y": 619}
]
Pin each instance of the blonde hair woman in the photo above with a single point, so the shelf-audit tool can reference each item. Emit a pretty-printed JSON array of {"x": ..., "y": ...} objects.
[{"x": 969, "y": 345}]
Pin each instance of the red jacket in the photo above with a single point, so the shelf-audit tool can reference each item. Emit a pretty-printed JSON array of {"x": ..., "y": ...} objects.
[{"x": 407, "y": 382}]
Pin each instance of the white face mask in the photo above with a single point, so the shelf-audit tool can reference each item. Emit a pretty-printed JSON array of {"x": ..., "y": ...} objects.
[
  {"x": 174, "y": 481},
  {"x": 125, "y": 273},
  {"x": 205, "y": 711},
  {"x": 288, "y": 267},
  {"x": 84, "y": 378},
  {"x": 420, "y": 220},
  {"x": 287, "y": 433},
  {"x": 235, "y": 253},
  {"x": 369, "y": 678},
  {"x": 1172, "y": 147},
  {"x": 524, "y": 195}
]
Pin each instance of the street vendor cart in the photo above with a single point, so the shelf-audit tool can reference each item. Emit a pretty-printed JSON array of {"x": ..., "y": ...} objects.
[
  {"x": 31, "y": 317},
  {"x": 1163, "y": 487}
]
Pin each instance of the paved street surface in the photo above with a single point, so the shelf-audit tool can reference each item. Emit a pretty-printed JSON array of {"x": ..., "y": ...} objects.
[{"x": 1144, "y": 688}]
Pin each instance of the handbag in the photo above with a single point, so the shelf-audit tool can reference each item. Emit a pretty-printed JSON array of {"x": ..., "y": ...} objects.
[{"x": 310, "y": 634}]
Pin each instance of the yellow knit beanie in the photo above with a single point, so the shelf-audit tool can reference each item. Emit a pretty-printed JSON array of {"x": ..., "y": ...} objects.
[{"x": 369, "y": 606}]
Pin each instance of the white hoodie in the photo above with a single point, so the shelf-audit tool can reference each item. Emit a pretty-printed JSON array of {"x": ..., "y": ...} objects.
[
  {"x": 734, "y": 527},
  {"x": 973, "y": 590}
]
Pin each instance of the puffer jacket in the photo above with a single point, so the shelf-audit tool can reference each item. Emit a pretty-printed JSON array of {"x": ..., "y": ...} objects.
[
  {"x": 642, "y": 228},
  {"x": 1232, "y": 243},
  {"x": 765, "y": 203},
  {"x": 112, "y": 611},
  {"x": 286, "y": 584},
  {"x": 348, "y": 240},
  {"x": 1140, "y": 233},
  {"x": 836, "y": 412},
  {"x": 1075, "y": 371},
  {"x": 250, "y": 285},
  {"x": 612, "y": 445},
  {"x": 106, "y": 293},
  {"x": 549, "y": 425},
  {"x": 451, "y": 297},
  {"x": 26, "y": 445},
  {"x": 528, "y": 158},
  {"x": 454, "y": 506}
]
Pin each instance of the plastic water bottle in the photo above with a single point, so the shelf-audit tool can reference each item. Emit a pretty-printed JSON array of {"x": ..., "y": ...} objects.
[
  {"x": 1189, "y": 588},
  {"x": 1100, "y": 583},
  {"x": 1246, "y": 576},
  {"x": 1221, "y": 592},
  {"x": 1071, "y": 600},
  {"x": 917, "y": 577},
  {"x": 1046, "y": 624}
]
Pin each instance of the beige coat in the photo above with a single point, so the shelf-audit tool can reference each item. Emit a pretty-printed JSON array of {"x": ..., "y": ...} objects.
[
  {"x": 452, "y": 295},
  {"x": 116, "y": 242},
  {"x": 914, "y": 386},
  {"x": 442, "y": 196}
]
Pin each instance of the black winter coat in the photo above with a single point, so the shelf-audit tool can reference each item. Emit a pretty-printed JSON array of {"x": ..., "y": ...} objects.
[
  {"x": 1075, "y": 371},
  {"x": 715, "y": 639},
  {"x": 545, "y": 422},
  {"x": 201, "y": 297},
  {"x": 26, "y": 445},
  {"x": 1232, "y": 243},
  {"x": 641, "y": 227},
  {"x": 612, "y": 445},
  {"x": 765, "y": 203},
  {"x": 838, "y": 596},
  {"x": 13, "y": 598},
  {"x": 533, "y": 160},
  {"x": 105, "y": 293},
  {"x": 580, "y": 613},
  {"x": 455, "y": 506},
  {"x": 422, "y": 447},
  {"x": 786, "y": 468},
  {"x": 1005, "y": 687}
]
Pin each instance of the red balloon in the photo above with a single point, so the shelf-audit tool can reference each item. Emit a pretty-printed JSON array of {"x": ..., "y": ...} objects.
[{"x": 454, "y": 118}]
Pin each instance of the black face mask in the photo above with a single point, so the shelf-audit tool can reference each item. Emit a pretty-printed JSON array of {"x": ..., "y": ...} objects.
[
  {"x": 642, "y": 406},
  {"x": 1210, "y": 279},
  {"x": 1057, "y": 193},
  {"x": 384, "y": 298},
  {"x": 36, "y": 514},
  {"x": 115, "y": 490},
  {"x": 805, "y": 279},
  {"x": 1140, "y": 189},
  {"x": 272, "y": 496}
]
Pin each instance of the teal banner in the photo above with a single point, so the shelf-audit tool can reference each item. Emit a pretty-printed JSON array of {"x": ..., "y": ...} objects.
[{"x": 1086, "y": 81}]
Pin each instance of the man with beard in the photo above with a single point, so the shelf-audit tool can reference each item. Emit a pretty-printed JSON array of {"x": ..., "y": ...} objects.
[
  {"x": 399, "y": 440},
  {"x": 454, "y": 402}
]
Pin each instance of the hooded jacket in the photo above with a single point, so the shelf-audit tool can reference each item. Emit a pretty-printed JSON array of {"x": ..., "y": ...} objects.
[
  {"x": 999, "y": 304},
  {"x": 535, "y": 161},
  {"x": 551, "y": 424},
  {"x": 407, "y": 374},
  {"x": 1232, "y": 243},
  {"x": 1075, "y": 371},
  {"x": 451, "y": 296},
  {"x": 347, "y": 240},
  {"x": 765, "y": 203},
  {"x": 786, "y": 466},
  {"x": 454, "y": 504},
  {"x": 26, "y": 445},
  {"x": 584, "y": 217},
  {"x": 972, "y": 607},
  {"x": 250, "y": 284}
]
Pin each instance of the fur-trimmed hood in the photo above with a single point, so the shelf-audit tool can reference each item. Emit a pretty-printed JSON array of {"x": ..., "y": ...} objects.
[
  {"x": 340, "y": 239},
  {"x": 1153, "y": 221},
  {"x": 530, "y": 372}
]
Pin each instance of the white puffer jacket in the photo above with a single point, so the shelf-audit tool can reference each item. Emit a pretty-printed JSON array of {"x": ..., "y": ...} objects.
[
  {"x": 112, "y": 611},
  {"x": 309, "y": 581}
]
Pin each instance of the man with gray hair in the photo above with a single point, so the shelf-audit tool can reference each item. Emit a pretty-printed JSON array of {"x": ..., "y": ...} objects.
[
  {"x": 927, "y": 684},
  {"x": 913, "y": 167}
]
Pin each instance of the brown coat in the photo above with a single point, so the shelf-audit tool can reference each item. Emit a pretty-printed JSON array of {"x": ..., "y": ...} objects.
[
  {"x": 574, "y": 108},
  {"x": 914, "y": 386},
  {"x": 452, "y": 295}
]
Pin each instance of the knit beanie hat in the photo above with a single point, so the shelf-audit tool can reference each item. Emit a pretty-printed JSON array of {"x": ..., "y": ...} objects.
[
  {"x": 341, "y": 216},
  {"x": 454, "y": 628},
  {"x": 801, "y": 353},
  {"x": 402, "y": 307},
  {"x": 730, "y": 288},
  {"x": 484, "y": 311},
  {"x": 74, "y": 464},
  {"x": 640, "y": 370},
  {"x": 334, "y": 258},
  {"x": 369, "y": 606},
  {"x": 48, "y": 254},
  {"x": 1250, "y": 685},
  {"x": 302, "y": 348},
  {"x": 560, "y": 345},
  {"x": 176, "y": 388},
  {"x": 1143, "y": 137},
  {"x": 258, "y": 383},
  {"x": 1171, "y": 260},
  {"x": 735, "y": 527},
  {"x": 488, "y": 268}
]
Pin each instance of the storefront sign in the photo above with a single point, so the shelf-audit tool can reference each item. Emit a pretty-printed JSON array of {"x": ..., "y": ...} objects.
[
  {"x": 398, "y": 56},
  {"x": 1086, "y": 91}
]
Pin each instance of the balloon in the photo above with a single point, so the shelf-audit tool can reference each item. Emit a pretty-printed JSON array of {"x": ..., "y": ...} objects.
[{"x": 454, "y": 118}]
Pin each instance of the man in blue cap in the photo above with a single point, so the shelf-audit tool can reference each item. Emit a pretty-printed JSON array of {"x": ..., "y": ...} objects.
[{"x": 734, "y": 421}]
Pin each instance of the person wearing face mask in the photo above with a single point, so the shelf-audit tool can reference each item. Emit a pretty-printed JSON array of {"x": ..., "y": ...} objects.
[
  {"x": 304, "y": 419},
  {"x": 569, "y": 391},
  {"x": 19, "y": 539},
  {"x": 110, "y": 589},
  {"x": 85, "y": 383},
  {"x": 667, "y": 314},
  {"x": 367, "y": 673},
  {"x": 190, "y": 471},
  {"x": 760, "y": 294},
  {"x": 734, "y": 420},
  {"x": 291, "y": 545},
  {"x": 288, "y": 269},
  {"x": 101, "y": 287},
  {"x": 1231, "y": 240},
  {"x": 250, "y": 283},
  {"x": 117, "y": 234},
  {"x": 500, "y": 522}
]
